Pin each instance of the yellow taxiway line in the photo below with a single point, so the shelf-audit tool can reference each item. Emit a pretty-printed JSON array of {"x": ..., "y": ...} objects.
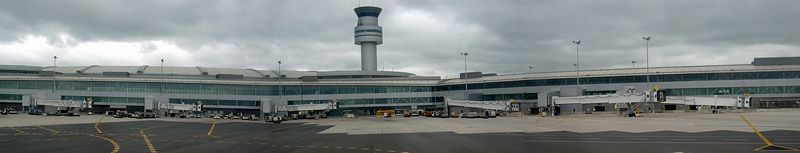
[
  {"x": 116, "y": 145},
  {"x": 769, "y": 143},
  {"x": 211, "y": 130},
  {"x": 97, "y": 125},
  {"x": 147, "y": 141}
]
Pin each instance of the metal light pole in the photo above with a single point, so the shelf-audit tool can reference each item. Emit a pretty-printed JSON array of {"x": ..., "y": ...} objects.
[
  {"x": 161, "y": 73},
  {"x": 465, "y": 54},
  {"x": 280, "y": 75},
  {"x": 531, "y": 68},
  {"x": 577, "y": 67},
  {"x": 54, "y": 73},
  {"x": 647, "y": 69},
  {"x": 633, "y": 64}
]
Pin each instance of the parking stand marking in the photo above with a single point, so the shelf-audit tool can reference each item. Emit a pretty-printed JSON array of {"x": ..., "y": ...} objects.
[
  {"x": 51, "y": 130},
  {"x": 19, "y": 132}
]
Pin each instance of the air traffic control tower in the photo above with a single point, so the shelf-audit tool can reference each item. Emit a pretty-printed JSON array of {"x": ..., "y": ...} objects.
[{"x": 369, "y": 35}]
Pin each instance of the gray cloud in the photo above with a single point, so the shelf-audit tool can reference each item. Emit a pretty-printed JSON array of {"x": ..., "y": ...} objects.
[{"x": 420, "y": 36}]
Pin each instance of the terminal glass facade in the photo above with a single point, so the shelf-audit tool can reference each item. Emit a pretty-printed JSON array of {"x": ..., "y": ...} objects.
[
  {"x": 219, "y": 102},
  {"x": 191, "y": 88},
  {"x": 515, "y": 96},
  {"x": 10, "y": 97},
  {"x": 373, "y": 101},
  {"x": 733, "y": 90},
  {"x": 627, "y": 79},
  {"x": 111, "y": 100}
]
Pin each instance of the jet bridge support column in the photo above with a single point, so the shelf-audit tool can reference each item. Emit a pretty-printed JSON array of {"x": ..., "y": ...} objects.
[
  {"x": 149, "y": 104},
  {"x": 266, "y": 107},
  {"x": 545, "y": 102}
]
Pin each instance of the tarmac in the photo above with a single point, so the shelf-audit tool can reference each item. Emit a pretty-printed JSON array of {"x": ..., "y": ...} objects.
[{"x": 661, "y": 132}]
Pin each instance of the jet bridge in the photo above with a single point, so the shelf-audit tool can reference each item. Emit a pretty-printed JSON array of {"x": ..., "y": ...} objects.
[
  {"x": 180, "y": 107},
  {"x": 602, "y": 99},
  {"x": 63, "y": 103},
  {"x": 710, "y": 101},
  {"x": 59, "y": 107},
  {"x": 307, "y": 107},
  {"x": 641, "y": 98},
  {"x": 315, "y": 110},
  {"x": 491, "y": 105}
]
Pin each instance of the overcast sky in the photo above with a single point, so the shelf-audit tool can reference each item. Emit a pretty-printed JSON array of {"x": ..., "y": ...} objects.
[{"x": 422, "y": 37}]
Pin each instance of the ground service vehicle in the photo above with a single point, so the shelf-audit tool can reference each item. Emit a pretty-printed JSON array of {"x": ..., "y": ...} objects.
[
  {"x": 384, "y": 113},
  {"x": 471, "y": 115},
  {"x": 273, "y": 119}
]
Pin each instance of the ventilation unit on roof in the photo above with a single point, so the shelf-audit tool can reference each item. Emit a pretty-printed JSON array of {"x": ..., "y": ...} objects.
[
  {"x": 309, "y": 78},
  {"x": 470, "y": 75},
  {"x": 776, "y": 61},
  {"x": 47, "y": 73},
  {"x": 230, "y": 76},
  {"x": 116, "y": 74}
]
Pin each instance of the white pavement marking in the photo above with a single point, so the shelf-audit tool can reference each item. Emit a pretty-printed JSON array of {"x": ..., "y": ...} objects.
[
  {"x": 582, "y": 124},
  {"x": 590, "y": 138},
  {"x": 735, "y": 139},
  {"x": 644, "y": 142}
]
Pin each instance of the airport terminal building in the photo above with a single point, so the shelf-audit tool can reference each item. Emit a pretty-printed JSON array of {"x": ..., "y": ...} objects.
[{"x": 772, "y": 82}]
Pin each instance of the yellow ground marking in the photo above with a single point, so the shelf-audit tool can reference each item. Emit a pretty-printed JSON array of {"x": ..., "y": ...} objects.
[
  {"x": 43, "y": 128},
  {"x": 97, "y": 125},
  {"x": 116, "y": 145},
  {"x": 18, "y": 131},
  {"x": 147, "y": 141},
  {"x": 211, "y": 130},
  {"x": 15, "y": 129},
  {"x": 769, "y": 143},
  {"x": 51, "y": 130}
]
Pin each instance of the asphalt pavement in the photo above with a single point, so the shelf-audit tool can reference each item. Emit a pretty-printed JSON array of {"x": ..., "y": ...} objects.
[{"x": 255, "y": 136}]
